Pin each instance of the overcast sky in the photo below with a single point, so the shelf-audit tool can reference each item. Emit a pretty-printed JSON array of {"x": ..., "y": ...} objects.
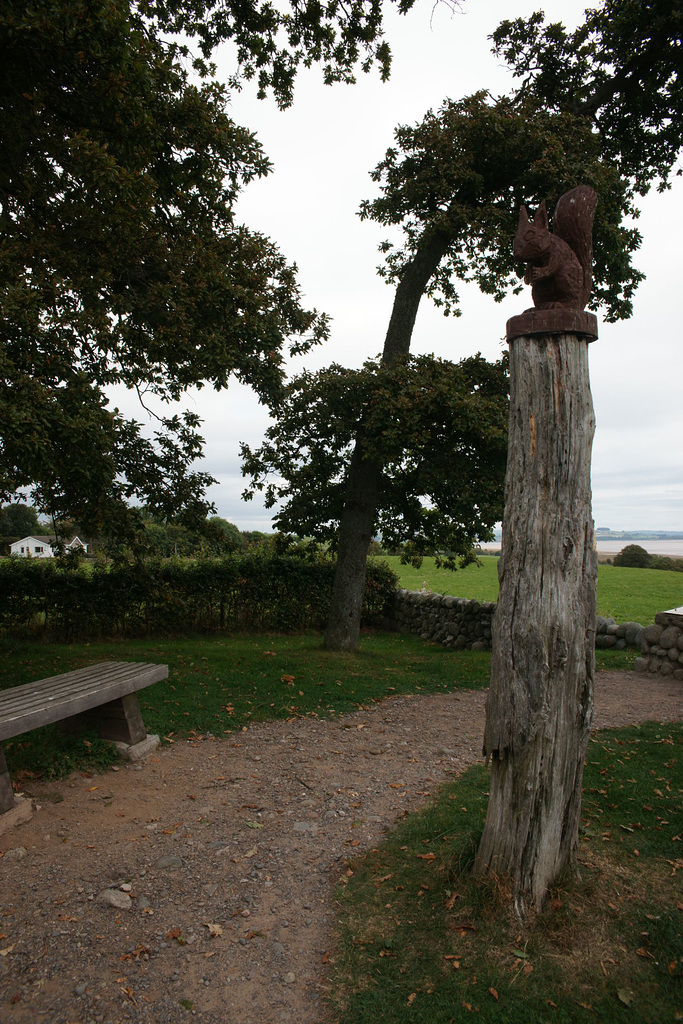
[{"x": 323, "y": 149}]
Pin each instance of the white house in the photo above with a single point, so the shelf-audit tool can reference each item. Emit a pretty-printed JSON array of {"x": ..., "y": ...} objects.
[{"x": 44, "y": 547}]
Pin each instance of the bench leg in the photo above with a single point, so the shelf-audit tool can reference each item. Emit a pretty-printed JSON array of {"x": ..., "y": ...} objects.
[
  {"x": 119, "y": 720},
  {"x": 6, "y": 791}
]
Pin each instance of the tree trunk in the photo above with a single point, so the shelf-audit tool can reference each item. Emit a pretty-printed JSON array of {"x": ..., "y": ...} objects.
[
  {"x": 363, "y": 487},
  {"x": 540, "y": 704},
  {"x": 362, "y": 492}
]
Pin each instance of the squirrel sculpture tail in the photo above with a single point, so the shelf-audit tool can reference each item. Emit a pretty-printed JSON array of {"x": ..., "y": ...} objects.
[{"x": 573, "y": 222}]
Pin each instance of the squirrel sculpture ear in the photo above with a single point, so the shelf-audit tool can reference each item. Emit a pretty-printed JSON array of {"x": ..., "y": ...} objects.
[
  {"x": 523, "y": 216},
  {"x": 541, "y": 216}
]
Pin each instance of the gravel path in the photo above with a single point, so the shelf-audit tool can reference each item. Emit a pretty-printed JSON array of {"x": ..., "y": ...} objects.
[{"x": 199, "y": 883}]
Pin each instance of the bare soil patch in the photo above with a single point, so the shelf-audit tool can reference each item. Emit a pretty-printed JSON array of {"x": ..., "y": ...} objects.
[{"x": 238, "y": 925}]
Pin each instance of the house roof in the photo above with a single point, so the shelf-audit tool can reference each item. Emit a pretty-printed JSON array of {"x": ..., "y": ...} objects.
[
  {"x": 46, "y": 540},
  {"x": 34, "y": 536}
]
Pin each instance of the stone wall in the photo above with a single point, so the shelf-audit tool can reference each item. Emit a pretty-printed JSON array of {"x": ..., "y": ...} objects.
[
  {"x": 662, "y": 646},
  {"x": 451, "y": 621},
  {"x": 457, "y": 622},
  {"x": 609, "y": 633}
]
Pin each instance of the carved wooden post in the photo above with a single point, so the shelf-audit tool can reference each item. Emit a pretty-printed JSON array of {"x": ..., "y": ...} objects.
[{"x": 540, "y": 702}]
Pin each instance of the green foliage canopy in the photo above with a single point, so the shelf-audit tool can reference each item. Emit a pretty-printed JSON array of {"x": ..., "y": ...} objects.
[
  {"x": 454, "y": 184},
  {"x": 273, "y": 40},
  {"x": 121, "y": 261},
  {"x": 18, "y": 520},
  {"x": 438, "y": 429},
  {"x": 621, "y": 68}
]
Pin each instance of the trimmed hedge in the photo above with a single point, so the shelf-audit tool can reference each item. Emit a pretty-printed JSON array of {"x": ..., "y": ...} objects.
[{"x": 248, "y": 591}]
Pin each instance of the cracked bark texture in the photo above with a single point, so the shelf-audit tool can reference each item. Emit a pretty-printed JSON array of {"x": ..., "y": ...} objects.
[{"x": 540, "y": 704}]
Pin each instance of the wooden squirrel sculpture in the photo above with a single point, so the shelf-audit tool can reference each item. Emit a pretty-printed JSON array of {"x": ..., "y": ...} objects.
[{"x": 559, "y": 264}]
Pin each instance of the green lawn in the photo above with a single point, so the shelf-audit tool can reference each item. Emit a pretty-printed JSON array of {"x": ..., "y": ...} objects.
[
  {"x": 627, "y": 595},
  {"x": 422, "y": 942}
]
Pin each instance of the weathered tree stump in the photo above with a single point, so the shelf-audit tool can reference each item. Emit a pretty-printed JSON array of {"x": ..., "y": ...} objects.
[{"x": 540, "y": 703}]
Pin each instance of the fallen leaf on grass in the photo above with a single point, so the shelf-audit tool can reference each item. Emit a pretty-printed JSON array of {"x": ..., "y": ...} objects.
[
  {"x": 214, "y": 930},
  {"x": 494, "y": 993},
  {"x": 411, "y": 998},
  {"x": 426, "y": 856},
  {"x": 625, "y": 996}
]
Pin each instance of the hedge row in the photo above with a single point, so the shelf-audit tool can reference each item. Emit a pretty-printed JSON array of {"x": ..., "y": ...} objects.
[{"x": 248, "y": 591}]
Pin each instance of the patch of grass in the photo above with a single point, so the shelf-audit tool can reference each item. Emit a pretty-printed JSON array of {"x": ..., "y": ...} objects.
[
  {"x": 475, "y": 582},
  {"x": 633, "y": 791},
  {"x": 636, "y": 595},
  {"x": 626, "y": 595},
  {"x": 219, "y": 685},
  {"x": 51, "y": 753},
  {"x": 422, "y": 941},
  {"x": 609, "y": 660}
]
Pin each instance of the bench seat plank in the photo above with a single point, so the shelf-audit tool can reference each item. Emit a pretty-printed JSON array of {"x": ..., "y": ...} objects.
[{"x": 50, "y": 700}]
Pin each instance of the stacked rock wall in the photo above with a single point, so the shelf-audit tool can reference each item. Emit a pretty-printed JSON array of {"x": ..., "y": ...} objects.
[
  {"x": 619, "y": 635},
  {"x": 451, "y": 621},
  {"x": 457, "y": 622},
  {"x": 662, "y": 646}
]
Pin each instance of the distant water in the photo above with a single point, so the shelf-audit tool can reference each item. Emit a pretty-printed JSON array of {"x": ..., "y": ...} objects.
[
  {"x": 613, "y": 547},
  {"x": 654, "y": 547}
]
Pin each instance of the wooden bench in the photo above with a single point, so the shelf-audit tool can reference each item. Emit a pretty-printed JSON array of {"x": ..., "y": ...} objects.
[{"x": 103, "y": 696}]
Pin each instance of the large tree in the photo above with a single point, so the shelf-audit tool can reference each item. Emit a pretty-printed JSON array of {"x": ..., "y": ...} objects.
[
  {"x": 453, "y": 185},
  {"x": 438, "y": 430},
  {"x": 18, "y": 520},
  {"x": 120, "y": 259},
  {"x": 600, "y": 106}
]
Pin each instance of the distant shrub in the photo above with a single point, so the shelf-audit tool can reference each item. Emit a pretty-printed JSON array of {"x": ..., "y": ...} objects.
[
  {"x": 670, "y": 564},
  {"x": 633, "y": 557}
]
